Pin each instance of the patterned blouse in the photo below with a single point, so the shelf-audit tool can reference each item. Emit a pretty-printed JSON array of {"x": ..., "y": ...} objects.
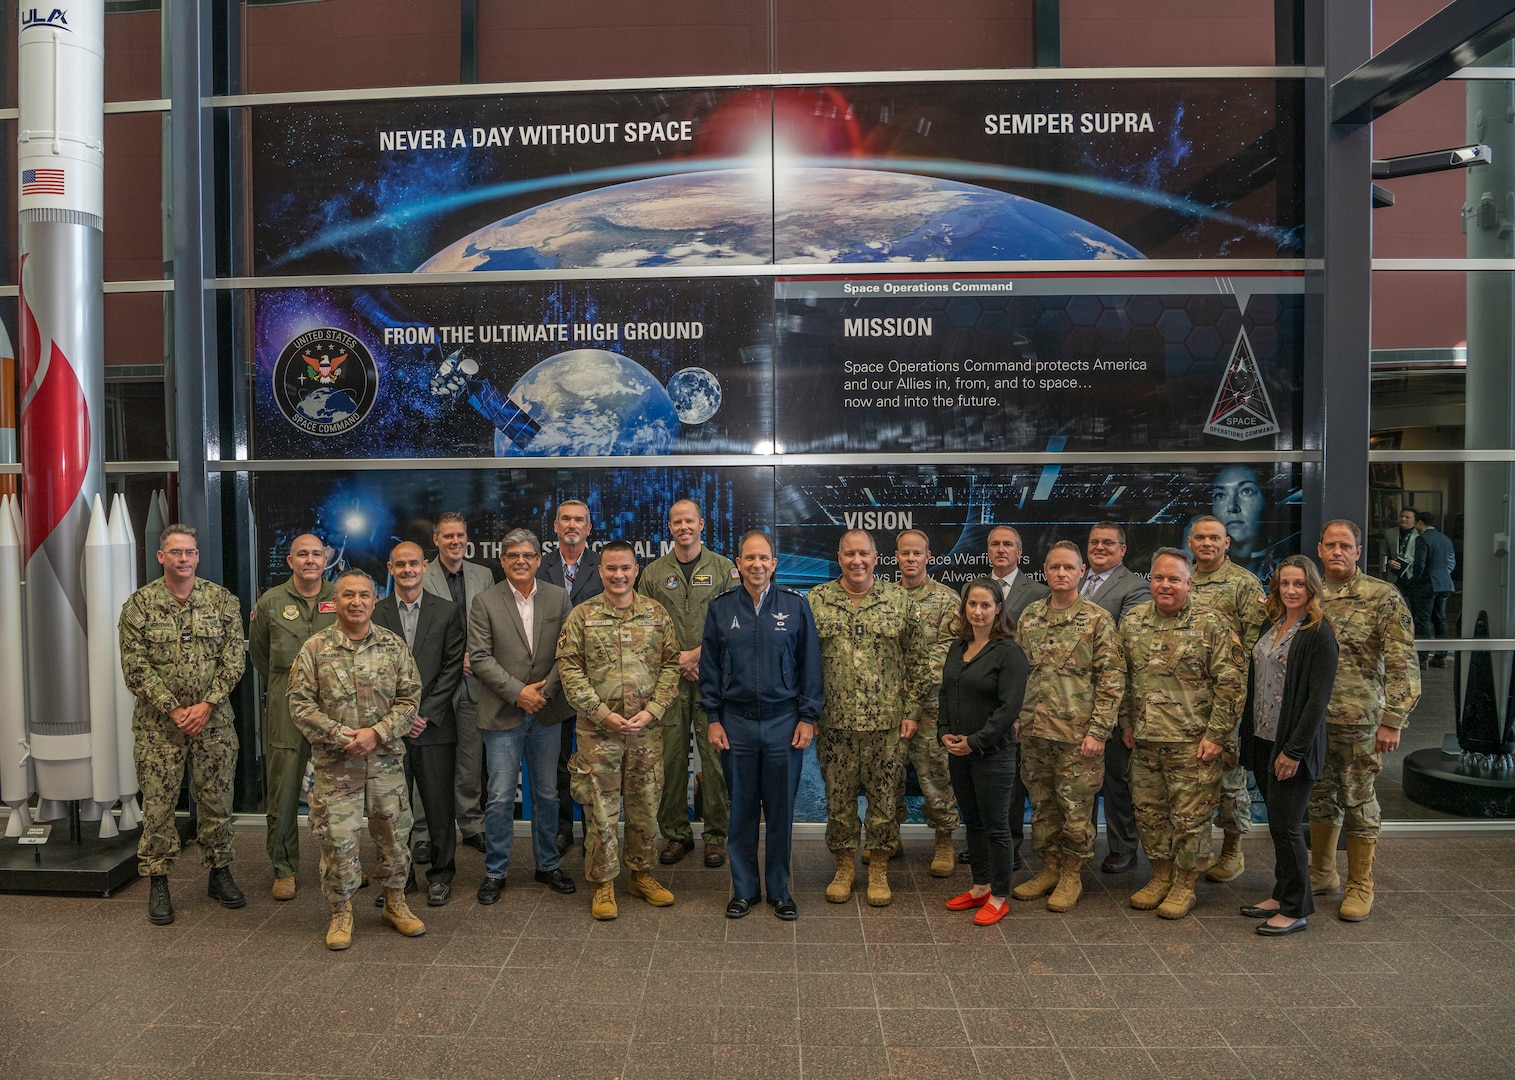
[{"x": 1270, "y": 662}]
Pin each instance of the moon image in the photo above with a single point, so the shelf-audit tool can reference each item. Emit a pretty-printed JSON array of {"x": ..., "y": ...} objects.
[{"x": 696, "y": 394}]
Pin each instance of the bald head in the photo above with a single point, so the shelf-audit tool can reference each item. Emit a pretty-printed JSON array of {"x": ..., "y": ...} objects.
[
  {"x": 307, "y": 562},
  {"x": 407, "y": 562}
]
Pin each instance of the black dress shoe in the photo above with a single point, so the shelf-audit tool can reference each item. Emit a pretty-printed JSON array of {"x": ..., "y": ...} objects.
[
  {"x": 476, "y": 841},
  {"x": 964, "y": 857},
  {"x": 489, "y": 892},
  {"x": 160, "y": 906},
  {"x": 1253, "y": 911},
  {"x": 1279, "y": 931},
  {"x": 738, "y": 907},
  {"x": 1118, "y": 862},
  {"x": 224, "y": 889},
  {"x": 785, "y": 909},
  {"x": 557, "y": 881},
  {"x": 423, "y": 853},
  {"x": 438, "y": 893}
]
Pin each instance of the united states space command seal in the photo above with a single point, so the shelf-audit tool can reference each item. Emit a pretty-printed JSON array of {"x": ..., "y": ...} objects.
[{"x": 326, "y": 382}]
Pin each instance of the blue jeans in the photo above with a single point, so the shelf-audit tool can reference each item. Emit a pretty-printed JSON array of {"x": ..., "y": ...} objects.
[{"x": 503, "y": 751}]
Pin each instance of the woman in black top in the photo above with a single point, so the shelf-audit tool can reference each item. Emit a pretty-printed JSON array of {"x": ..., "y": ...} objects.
[
  {"x": 983, "y": 682},
  {"x": 1283, "y": 729}
]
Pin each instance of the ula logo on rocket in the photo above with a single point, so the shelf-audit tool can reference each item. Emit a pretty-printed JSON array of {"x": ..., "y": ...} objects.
[{"x": 57, "y": 19}]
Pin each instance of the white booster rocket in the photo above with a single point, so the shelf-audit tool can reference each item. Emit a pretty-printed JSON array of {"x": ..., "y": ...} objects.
[{"x": 61, "y": 171}]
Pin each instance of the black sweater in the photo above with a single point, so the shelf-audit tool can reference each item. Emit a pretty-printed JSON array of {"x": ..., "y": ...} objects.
[
  {"x": 1309, "y": 674},
  {"x": 982, "y": 698}
]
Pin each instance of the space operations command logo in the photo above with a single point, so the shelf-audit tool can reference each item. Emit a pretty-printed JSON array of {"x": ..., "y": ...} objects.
[{"x": 326, "y": 382}]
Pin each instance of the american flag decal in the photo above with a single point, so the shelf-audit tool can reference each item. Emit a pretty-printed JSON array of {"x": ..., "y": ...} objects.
[{"x": 41, "y": 181}]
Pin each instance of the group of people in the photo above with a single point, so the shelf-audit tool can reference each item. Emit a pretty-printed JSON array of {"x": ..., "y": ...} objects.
[
  {"x": 1421, "y": 560},
  {"x": 600, "y": 675}
]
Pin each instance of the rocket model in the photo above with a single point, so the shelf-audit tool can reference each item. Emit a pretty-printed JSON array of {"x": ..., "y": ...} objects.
[
  {"x": 61, "y": 163},
  {"x": 16, "y": 780},
  {"x": 7, "y": 410},
  {"x": 123, "y": 545}
]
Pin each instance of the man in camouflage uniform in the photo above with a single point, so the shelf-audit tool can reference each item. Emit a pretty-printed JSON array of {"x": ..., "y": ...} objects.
[
  {"x": 354, "y": 692},
  {"x": 1377, "y": 686},
  {"x": 1073, "y": 698},
  {"x": 936, "y": 606},
  {"x": 1238, "y": 597},
  {"x": 684, "y": 581},
  {"x": 618, "y": 657},
  {"x": 181, "y": 655},
  {"x": 876, "y": 664},
  {"x": 282, "y": 620},
  {"x": 1186, "y": 684}
]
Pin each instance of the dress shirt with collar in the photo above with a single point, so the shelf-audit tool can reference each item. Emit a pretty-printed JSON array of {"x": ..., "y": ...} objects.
[
  {"x": 526, "y": 605},
  {"x": 410, "y": 616}
]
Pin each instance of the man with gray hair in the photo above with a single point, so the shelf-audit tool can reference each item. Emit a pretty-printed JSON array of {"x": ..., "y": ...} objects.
[{"x": 512, "y": 638}]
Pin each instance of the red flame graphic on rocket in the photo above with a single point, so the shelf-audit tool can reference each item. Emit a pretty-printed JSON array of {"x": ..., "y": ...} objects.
[{"x": 54, "y": 432}]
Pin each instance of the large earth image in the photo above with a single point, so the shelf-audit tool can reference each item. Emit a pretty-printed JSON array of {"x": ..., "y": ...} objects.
[
  {"x": 592, "y": 403},
  {"x": 821, "y": 215}
]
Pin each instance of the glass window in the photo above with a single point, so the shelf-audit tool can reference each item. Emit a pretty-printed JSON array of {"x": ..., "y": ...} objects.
[
  {"x": 351, "y": 44},
  {"x": 137, "y": 244},
  {"x": 134, "y": 32},
  {"x": 136, "y": 406}
]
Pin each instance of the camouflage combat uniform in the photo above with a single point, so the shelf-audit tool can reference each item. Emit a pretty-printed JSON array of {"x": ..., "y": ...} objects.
[
  {"x": 685, "y": 598},
  {"x": 1377, "y": 682},
  {"x": 282, "y": 621},
  {"x": 620, "y": 660},
  {"x": 1186, "y": 681},
  {"x": 1237, "y": 596},
  {"x": 372, "y": 683},
  {"x": 173, "y": 655},
  {"x": 1077, "y": 681},
  {"x": 876, "y": 663},
  {"x": 937, "y": 607}
]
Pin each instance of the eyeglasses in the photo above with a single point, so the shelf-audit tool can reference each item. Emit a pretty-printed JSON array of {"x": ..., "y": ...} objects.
[
  {"x": 521, "y": 557},
  {"x": 1104, "y": 543},
  {"x": 182, "y": 553}
]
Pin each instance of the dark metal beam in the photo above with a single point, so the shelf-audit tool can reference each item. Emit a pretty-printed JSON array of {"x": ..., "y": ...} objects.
[
  {"x": 1445, "y": 43},
  {"x": 1047, "y": 33}
]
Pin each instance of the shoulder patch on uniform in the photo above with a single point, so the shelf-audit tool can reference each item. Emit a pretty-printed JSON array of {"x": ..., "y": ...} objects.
[
  {"x": 1405, "y": 621},
  {"x": 326, "y": 607},
  {"x": 290, "y": 612},
  {"x": 735, "y": 574}
]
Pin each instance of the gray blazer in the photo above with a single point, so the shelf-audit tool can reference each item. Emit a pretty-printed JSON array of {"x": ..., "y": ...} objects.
[
  {"x": 476, "y": 579},
  {"x": 1122, "y": 591},
  {"x": 503, "y": 660},
  {"x": 1023, "y": 592}
]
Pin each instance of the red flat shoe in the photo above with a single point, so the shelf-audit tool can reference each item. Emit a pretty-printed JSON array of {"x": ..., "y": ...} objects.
[
  {"x": 966, "y": 901},
  {"x": 988, "y": 914}
]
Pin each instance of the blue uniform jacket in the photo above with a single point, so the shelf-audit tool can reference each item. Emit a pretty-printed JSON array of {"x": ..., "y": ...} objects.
[{"x": 760, "y": 664}]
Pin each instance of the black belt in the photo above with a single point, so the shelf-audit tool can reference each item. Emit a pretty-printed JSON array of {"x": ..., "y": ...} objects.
[{"x": 762, "y": 710}]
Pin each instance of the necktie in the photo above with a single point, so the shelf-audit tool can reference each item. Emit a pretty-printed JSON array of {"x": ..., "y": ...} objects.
[
  {"x": 570, "y": 571},
  {"x": 1090, "y": 584}
]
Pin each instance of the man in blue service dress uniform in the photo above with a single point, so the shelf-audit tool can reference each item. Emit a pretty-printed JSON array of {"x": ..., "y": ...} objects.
[{"x": 760, "y": 687}]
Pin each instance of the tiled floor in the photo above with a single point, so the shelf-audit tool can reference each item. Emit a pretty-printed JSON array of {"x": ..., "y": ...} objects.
[{"x": 533, "y": 988}]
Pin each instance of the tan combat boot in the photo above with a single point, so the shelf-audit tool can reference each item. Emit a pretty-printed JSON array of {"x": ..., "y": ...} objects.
[
  {"x": 944, "y": 860},
  {"x": 840, "y": 889},
  {"x": 1180, "y": 899},
  {"x": 878, "y": 880},
  {"x": 1323, "y": 875},
  {"x": 1231, "y": 863},
  {"x": 339, "y": 933},
  {"x": 1070, "y": 885},
  {"x": 397, "y": 913},
  {"x": 646, "y": 886},
  {"x": 1043, "y": 883},
  {"x": 603, "y": 907},
  {"x": 1358, "y": 898},
  {"x": 284, "y": 888},
  {"x": 1153, "y": 892}
]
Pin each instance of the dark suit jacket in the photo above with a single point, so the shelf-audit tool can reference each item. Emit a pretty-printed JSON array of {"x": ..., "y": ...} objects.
[
  {"x": 1310, "y": 673},
  {"x": 1023, "y": 592},
  {"x": 476, "y": 579},
  {"x": 585, "y": 585},
  {"x": 1122, "y": 591},
  {"x": 502, "y": 661},
  {"x": 438, "y": 650},
  {"x": 1433, "y": 562}
]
